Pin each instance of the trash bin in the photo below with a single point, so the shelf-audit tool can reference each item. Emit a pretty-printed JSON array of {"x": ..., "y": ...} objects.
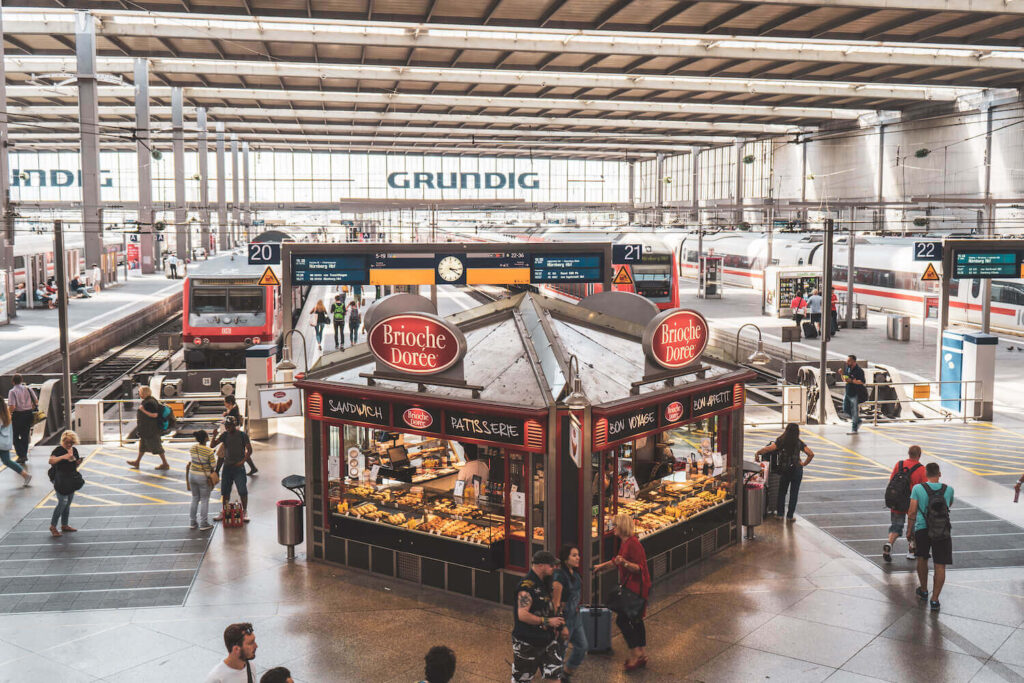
[
  {"x": 753, "y": 505},
  {"x": 289, "y": 524},
  {"x": 898, "y": 327}
]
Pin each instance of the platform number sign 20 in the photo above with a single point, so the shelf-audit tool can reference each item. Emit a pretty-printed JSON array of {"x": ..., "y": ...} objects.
[
  {"x": 264, "y": 254},
  {"x": 927, "y": 251}
]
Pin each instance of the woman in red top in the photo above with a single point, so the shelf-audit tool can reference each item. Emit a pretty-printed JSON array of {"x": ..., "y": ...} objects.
[{"x": 633, "y": 574}]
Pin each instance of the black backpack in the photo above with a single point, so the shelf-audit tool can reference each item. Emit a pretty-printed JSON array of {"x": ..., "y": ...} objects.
[
  {"x": 897, "y": 493},
  {"x": 936, "y": 515},
  {"x": 787, "y": 461}
]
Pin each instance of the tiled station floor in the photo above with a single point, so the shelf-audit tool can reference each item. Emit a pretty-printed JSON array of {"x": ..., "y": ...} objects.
[{"x": 793, "y": 604}]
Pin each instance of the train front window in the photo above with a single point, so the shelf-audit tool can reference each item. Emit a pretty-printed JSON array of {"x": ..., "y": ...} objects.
[
  {"x": 208, "y": 300},
  {"x": 245, "y": 300}
]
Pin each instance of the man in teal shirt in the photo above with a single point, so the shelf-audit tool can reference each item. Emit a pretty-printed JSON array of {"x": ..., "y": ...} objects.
[{"x": 918, "y": 533}]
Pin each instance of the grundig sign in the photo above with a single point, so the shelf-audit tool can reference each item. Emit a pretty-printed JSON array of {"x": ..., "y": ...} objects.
[
  {"x": 416, "y": 343},
  {"x": 463, "y": 181},
  {"x": 675, "y": 338}
]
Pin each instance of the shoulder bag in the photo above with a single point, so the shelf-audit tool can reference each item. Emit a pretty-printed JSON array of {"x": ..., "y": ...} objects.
[{"x": 625, "y": 602}]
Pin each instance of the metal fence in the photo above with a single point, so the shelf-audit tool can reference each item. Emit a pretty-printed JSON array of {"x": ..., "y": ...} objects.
[{"x": 122, "y": 412}]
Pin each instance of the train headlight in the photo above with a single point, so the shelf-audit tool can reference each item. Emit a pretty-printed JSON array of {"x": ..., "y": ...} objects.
[
  {"x": 255, "y": 340},
  {"x": 197, "y": 341}
]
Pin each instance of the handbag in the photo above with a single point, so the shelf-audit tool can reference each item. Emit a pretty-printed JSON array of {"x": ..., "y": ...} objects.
[
  {"x": 6, "y": 437},
  {"x": 625, "y": 602}
]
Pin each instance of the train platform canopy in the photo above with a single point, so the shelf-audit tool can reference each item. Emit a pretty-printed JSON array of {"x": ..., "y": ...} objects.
[{"x": 519, "y": 351}]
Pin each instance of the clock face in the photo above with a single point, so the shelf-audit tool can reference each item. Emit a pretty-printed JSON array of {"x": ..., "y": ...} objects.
[{"x": 450, "y": 268}]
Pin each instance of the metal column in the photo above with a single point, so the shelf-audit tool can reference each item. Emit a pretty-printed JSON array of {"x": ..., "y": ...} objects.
[
  {"x": 880, "y": 189},
  {"x": 738, "y": 196},
  {"x": 148, "y": 255},
  {"x": 986, "y": 284},
  {"x": 803, "y": 184},
  {"x": 182, "y": 233},
  {"x": 247, "y": 215},
  {"x": 630, "y": 215},
  {"x": 89, "y": 117},
  {"x": 694, "y": 184},
  {"x": 236, "y": 203},
  {"x": 659, "y": 189},
  {"x": 222, "y": 202},
  {"x": 826, "y": 297},
  {"x": 204, "y": 181},
  {"x": 6, "y": 210},
  {"x": 851, "y": 246}
]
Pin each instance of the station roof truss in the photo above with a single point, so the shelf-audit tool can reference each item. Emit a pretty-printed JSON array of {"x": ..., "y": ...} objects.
[{"x": 578, "y": 78}]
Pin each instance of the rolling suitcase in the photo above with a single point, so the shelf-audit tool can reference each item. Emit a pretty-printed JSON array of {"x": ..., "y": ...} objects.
[
  {"x": 809, "y": 330},
  {"x": 597, "y": 624}
]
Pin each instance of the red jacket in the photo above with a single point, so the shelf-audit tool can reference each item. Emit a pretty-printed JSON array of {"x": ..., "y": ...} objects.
[{"x": 634, "y": 553}]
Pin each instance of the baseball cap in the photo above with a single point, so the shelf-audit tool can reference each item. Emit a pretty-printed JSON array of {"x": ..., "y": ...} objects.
[{"x": 545, "y": 557}]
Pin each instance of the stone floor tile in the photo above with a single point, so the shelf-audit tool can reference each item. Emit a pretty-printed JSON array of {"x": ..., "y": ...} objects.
[
  {"x": 114, "y": 650},
  {"x": 846, "y": 611},
  {"x": 740, "y": 664},
  {"x": 899, "y": 661},
  {"x": 190, "y": 664},
  {"x": 35, "y": 667},
  {"x": 999, "y": 672},
  {"x": 1012, "y": 650},
  {"x": 950, "y": 632},
  {"x": 830, "y": 646}
]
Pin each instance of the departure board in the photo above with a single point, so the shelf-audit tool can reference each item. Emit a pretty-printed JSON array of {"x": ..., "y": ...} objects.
[
  {"x": 329, "y": 269},
  {"x": 424, "y": 268},
  {"x": 987, "y": 264},
  {"x": 567, "y": 268}
]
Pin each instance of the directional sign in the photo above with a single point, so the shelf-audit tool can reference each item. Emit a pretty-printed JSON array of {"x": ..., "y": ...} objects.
[
  {"x": 269, "y": 278},
  {"x": 930, "y": 274},
  {"x": 622, "y": 277},
  {"x": 928, "y": 251}
]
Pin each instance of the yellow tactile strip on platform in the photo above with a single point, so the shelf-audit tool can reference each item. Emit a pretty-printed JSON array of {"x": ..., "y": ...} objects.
[
  {"x": 832, "y": 461},
  {"x": 980, "y": 448}
]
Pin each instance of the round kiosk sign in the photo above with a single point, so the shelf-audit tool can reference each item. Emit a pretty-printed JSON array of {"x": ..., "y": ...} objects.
[
  {"x": 416, "y": 343},
  {"x": 676, "y": 338},
  {"x": 417, "y": 418},
  {"x": 674, "y": 412}
]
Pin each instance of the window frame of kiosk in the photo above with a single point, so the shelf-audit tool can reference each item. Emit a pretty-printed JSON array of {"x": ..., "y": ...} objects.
[
  {"x": 515, "y": 551},
  {"x": 722, "y": 437}
]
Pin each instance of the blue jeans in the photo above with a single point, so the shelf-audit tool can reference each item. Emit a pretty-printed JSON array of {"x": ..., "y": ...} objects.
[
  {"x": 5, "y": 458},
  {"x": 353, "y": 333},
  {"x": 789, "y": 481},
  {"x": 578, "y": 640},
  {"x": 233, "y": 474},
  {"x": 851, "y": 406},
  {"x": 63, "y": 508},
  {"x": 319, "y": 328}
]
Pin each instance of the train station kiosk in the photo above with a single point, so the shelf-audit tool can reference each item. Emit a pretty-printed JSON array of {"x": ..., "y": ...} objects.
[{"x": 446, "y": 451}]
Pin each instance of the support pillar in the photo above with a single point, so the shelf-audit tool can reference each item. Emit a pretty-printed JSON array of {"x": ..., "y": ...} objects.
[
  {"x": 204, "y": 181},
  {"x": 247, "y": 215},
  {"x": 659, "y": 189},
  {"x": 803, "y": 184},
  {"x": 6, "y": 209},
  {"x": 738, "y": 194},
  {"x": 236, "y": 202},
  {"x": 148, "y": 253},
  {"x": 989, "y": 208},
  {"x": 222, "y": 204},
  {"x": 88, "y": 117},
  {"x": 880, "y": 189},
  {"x": 182, "y": 233},
  {"x": 631, "y": 214},
  {"x": 695, "y": 184}
]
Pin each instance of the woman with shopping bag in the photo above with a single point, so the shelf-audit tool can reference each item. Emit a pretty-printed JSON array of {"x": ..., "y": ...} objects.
[{"x": 629, "y": 599}]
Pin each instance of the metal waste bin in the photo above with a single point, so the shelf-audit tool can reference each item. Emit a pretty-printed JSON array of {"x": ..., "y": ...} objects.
[
  {"x": 753, "y": 505},
  {"x": 289, "y": 524},
  {"x": 898, "y": 327}
]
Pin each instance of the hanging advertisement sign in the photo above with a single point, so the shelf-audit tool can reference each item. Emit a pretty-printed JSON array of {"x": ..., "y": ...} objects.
[
  {"x": 676, "y": 338},
  {"x": 280, "y": 402},
  {"x": 416, "y": 343}
]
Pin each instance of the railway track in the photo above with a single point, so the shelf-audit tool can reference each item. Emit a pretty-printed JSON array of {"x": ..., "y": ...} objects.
[{"x": 105, "y": 374}]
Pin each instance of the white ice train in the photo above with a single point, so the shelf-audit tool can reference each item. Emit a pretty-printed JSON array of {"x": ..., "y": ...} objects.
[{"x": 886, "y": 277}]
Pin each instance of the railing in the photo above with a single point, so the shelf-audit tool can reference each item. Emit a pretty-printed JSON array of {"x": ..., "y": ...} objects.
[
  {"x": 129, "y": 406},
  {"x": 971, "y": 394}
]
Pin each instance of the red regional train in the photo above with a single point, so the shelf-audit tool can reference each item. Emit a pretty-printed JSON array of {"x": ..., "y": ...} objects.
[{"x": 225, "y": 310}]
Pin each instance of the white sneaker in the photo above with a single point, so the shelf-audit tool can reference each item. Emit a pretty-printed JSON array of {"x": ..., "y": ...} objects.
[
  {"x": 911, "y": 553},
  {"x": 28, "y": 480}
]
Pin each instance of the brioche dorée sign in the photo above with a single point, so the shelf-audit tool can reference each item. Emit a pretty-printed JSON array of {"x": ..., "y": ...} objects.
[
  {"x": 675, "y": 338},
  {"x": 416, "y": 343}
]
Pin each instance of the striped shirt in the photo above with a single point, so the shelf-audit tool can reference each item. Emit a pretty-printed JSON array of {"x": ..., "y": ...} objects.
[
  {"x": 203, "y": 461},
  {"x": 21, "y": 397}
]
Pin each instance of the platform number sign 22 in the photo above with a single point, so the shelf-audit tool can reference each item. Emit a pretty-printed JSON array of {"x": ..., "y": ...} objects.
[
  {"x": 927, "y": 251},
  {"x": 264, "y": 254}
]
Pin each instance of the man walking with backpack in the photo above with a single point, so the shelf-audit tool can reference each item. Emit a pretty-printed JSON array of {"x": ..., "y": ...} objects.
[
  {"x": 152, "y": 419},
  {"x": 338, "y": 311},
  {"x": 931, "y": 531},
  {"x": 906, "y": 474}
]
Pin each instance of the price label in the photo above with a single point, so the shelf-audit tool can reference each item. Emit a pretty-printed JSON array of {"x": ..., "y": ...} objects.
[
  {"x": 374, "y": 473},
  {"x": 460, "y": 488}
]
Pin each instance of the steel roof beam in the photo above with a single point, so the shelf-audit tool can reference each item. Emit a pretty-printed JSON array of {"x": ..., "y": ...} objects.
[
  {"x": 238, "y": 29},
  {"x": 512, "y": 78}
]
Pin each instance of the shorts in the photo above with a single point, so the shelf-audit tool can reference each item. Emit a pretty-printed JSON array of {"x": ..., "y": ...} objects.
[
  {"x": 233, "y": 474},
  {"x": 896, "y": 522},
  {"x": 527, "y": 659},
  {"x": 815, "y": 317},
  {"x": 941, "y": 551}
]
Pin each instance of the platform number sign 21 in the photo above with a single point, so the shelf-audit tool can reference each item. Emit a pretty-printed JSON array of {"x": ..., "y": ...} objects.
[
  {"x": 264, "y": 254},
  {"x": 627, "y": 253},
  {"x": 927, "y": 251}
]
